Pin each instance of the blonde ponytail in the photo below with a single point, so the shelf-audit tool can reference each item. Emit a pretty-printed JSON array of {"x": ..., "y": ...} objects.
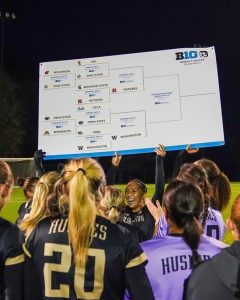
[
  {"x": 39, "y": 208},
  {"x": 82, "y": 215},
  {"x": 84, "y": 182}
]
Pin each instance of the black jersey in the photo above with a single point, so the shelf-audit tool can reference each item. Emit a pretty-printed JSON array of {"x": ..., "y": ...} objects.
[
  {"x": 110, "y": 255},
  {"x": 11, "y": 261},
  {"x": 142, "y": 219},
  {"x": 24, "y": 209}
]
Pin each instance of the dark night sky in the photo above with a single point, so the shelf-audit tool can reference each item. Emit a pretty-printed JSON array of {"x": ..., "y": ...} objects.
[{"x": 67, "y": 29}]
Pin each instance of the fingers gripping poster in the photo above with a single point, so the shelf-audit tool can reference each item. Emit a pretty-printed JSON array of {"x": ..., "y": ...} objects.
[{"x": 129, "y": 103}]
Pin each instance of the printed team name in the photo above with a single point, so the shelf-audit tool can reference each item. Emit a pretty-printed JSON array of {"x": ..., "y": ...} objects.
[
  {"x": 178, "y": 263},
  {"x": 211, "y": 216},
  {"x": 58, "y": 225},
  {"x": 100, "y": 232},
  {"x": 61, "y": 225},
  {"x": 137, "y": 219}
]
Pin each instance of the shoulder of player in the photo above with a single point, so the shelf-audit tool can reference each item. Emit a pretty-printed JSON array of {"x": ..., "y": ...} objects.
[
  {"x": 214, "y": 211},
  {"x": 216, "y": 265},
  {"x": 7, "y": 228},
  {"x": 10, "y": 236},
  {"x": 22, "y": 207},
  {"x": 209, "y": 240},
  {"x": 127, "y": 228},
  {"x": 161, "y": 243},
  {"x": 5, "y": 224}
]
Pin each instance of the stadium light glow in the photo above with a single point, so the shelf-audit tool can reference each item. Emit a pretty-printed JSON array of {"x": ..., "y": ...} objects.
[{"x": 5, "y": 16}]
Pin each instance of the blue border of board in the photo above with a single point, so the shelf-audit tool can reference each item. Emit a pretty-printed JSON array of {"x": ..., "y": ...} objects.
[{"x": 131, "y": 151}]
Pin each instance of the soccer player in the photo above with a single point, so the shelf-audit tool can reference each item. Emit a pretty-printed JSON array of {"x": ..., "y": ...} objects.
[
  {"x": 211, "y": 219},
  {"x": 171, "y": 258},
  {"x": 111, "y": 207},
  {"x": 136, "y": 211},
  {"x": 11, "y": 253},
  {"x": 219, "y": 278},
  {"x": 81, "y": 255},
  {"x": 219, "y": 182},
  {"x": 28, "y": 185},
  {"x": 39, "y": 209}
]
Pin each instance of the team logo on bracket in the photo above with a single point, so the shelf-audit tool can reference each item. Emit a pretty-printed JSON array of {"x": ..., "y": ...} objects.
[{"x": 190, "y": 54}]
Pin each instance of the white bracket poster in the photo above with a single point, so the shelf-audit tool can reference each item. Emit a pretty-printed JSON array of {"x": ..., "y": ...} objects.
[{"x": 129, "y": 103}]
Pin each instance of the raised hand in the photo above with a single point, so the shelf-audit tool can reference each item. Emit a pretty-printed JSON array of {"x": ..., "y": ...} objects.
[
  {"x": 160, "y": 151},
  {"x": 155, "y": 210},
  {"x": 116, "y": 159},
  {"x": 191, "y": 150}
]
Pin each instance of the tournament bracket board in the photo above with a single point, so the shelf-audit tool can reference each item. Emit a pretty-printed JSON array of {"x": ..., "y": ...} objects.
[{"x": 129, "y": 103}]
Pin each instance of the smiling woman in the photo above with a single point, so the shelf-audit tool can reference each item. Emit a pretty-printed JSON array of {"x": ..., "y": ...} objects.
[{"x": 136, "y": 211}]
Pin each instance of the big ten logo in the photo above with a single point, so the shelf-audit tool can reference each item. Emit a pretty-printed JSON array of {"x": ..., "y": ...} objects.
[
  {"x": 190, "y": 54},
  {"x": 186, "y": 55}
]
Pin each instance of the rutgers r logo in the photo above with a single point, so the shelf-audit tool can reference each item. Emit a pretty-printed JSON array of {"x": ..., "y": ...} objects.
[{"x": 190, "y": 54}]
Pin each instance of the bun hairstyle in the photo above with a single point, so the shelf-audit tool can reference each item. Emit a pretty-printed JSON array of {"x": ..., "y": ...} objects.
[
  {"x": 219, "y": 182},
  {"x": 196, "y": 174},
  {"x": 84, "y": 181},
  {"x": 184, "y": 203},
  {"x": 141, "y": 185},
  {"x": 113, "y": 202}
]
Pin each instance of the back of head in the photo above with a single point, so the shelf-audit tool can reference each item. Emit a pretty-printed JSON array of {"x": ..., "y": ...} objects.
[
  {"x": 6, "y": 182},
  {"x": 29, "y": 186},
  {"x": 112, "y": 203},
  {"x": 39, "y": 209},
  {"x": 84, "y": 184},
  {"x": 5, "y": 172},
  {"x": 197, "y": 175},
  {"x": 184, "y": 203},
  {"x": 220, "y": 184},
  {"x": 235, "y": 214}
]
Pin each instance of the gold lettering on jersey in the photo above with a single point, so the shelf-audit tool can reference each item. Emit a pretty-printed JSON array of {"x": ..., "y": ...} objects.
[
  {"x": 58, "y": 225},
  {"x": 100, "y": 232},
  {"x": 52, "y": 273},
  {"x": 103, "y": 231}
]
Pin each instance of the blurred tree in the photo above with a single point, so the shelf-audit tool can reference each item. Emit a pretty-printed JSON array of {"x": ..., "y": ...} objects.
[{"x": 11, "y": 117}]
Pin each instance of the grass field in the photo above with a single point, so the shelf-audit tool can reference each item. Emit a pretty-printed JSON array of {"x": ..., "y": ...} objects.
[{"x": 10, "y": 212}]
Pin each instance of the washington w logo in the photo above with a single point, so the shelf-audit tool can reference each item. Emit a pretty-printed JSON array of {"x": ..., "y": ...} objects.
[{"x": 114, "y": 137}]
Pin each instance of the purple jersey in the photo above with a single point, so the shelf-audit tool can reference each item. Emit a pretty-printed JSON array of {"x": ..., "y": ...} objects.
[
  {"x": 169, "y": 263},
  {"x": 214, "y": 227}
]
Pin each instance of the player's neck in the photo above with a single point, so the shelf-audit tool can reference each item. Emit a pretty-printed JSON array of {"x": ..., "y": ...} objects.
[{"x": 173, "y": 229}]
